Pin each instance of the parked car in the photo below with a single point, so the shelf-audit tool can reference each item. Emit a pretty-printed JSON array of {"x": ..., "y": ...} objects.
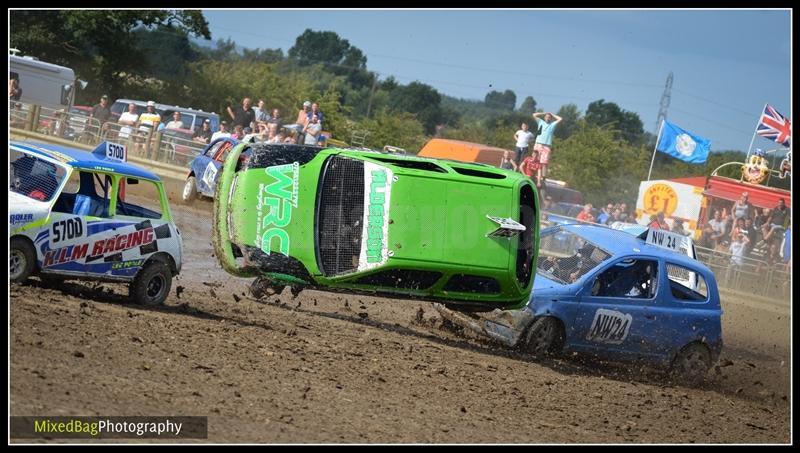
[
  {"x": 366, "y": 222},
  {"x": 90, "y": 216},
  {"x": 613, "y": 295},
  {"x": 191, "y": 118},
  {"x": 204, "y": 169}
]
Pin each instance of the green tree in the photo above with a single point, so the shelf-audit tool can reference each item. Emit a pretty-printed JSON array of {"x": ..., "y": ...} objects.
[
  {"x": 100, "y": 45},
  {"x": 528, "y": 106},
  {"x": 419, "y": 99},
  {"x": 391, "y": 128},
  {"x": 571, "y": 118},
  {"x": 506, "y": 100},
  {"x": 628, "y": 124}
]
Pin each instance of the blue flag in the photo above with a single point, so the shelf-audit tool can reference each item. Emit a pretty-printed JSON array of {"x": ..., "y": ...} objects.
[{"x": 682, "y": 144}]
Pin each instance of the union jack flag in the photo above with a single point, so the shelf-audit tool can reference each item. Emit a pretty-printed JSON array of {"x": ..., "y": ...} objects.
[{"x": 774, "y": 126}]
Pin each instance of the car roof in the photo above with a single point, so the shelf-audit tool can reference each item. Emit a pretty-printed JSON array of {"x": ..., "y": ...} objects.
[
  {"x": 618, "y": 242},
  {"x": 160, "y": 106},
  {"x": 85, "y": 160}
]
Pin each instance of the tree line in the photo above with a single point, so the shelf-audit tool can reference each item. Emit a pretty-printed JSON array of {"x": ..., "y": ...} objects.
[{"x": 603, "y": 152}]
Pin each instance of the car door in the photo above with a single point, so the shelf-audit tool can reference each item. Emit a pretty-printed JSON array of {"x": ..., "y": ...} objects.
[
  {"x": 205, "y": 169},
  {"x": 614, "y": 319}
]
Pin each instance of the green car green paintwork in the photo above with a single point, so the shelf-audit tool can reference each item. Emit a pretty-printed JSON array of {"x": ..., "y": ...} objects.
[{"x": 361, "y": 221}]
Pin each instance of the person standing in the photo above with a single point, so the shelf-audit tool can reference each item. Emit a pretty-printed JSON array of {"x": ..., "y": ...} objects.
[
  {"x": 523, "y": 139},
  {"x": 316, "y": 111},
  {"x": 312, "y": 130},
  {"x": 530, "y": 167},
  {"x": 101, "y": 112},
  {"x": 544, "y": 141},
  {"x": 203, "y": 134},
  {"x": 260, "y": 111},
  {"x": 222, "y": 132},
  {"x": 127, "y": 121},
  {"x": 243, "y": 115},
  {"x": 742, "y": 208}
]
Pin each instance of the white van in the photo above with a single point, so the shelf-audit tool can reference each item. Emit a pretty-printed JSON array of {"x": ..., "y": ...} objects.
[{"x": 44, "y": 84}]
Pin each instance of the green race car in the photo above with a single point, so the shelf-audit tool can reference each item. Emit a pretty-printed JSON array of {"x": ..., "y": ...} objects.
[{"x": 367, "y": 222}]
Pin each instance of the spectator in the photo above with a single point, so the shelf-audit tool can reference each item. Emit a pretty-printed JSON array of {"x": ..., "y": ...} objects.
[
  {"x": 291, "y": 139},
  {"x": 718, "y": 227},
  {"x": 657, "y": 222},
  {"x": 315, "y": 111},
  {"x": 275, "y": 117},
  {"x": 312, "y": 130},
  {"x": 150, "y": 118},
  {"x": 616, "y": 216},
  {"x": 222, "y": 132},
  {"x": 302, "y": 115},
  {"x": 176, "y": 122},
  {"x": 751, "y": 233},
  {"x": 544, "y": 141},
  {"x": 243, "y": 115},
  {"x": 530, "y": 166},
  {"x": 507, "y": 163},
  {"x": 706, "y": 236},
  {"x": 677, "y": 227},
  {"x": 203, "y": 134},
  {"x": 605, "y": 214},
  {"x": 522, "y": 138},
  {"x": 14, "y": 88},
  {"x": 128, "y": 120},
  {"x": 737, "y": 249},
  {"x": 738, "y": 228},
  {"x": 585, "y": 213},
  {"x": 260, "y": 111},
  {"x": 623, "y": 212},
  {"x": 238, "y": 132},
  {"x": 101, "y": 112},
  {"x": 742, "y": 209},
  {"x": 775, "y": 221}
]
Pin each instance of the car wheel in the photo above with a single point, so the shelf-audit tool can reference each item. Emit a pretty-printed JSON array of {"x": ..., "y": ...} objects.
[
  {"x": 152, "y": 284},
  {"x": 544, "y": 337},
  {"x": 190, "y": 190},
  {"x": 21, "y": 260},
  {"x": 691, "y": 365}
]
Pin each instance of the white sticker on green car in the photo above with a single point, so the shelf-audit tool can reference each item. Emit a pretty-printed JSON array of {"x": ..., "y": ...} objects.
[
  {"x": 375, "y": 230},
  {"x": 279, "y": 198}
]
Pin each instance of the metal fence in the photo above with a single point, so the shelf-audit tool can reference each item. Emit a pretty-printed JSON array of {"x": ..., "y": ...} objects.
[{"x": 169, "y": 147}]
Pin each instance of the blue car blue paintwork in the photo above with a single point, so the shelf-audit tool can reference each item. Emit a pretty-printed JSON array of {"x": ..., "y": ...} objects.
[
  {"x": 658, "y": 327},
  {"x": 205, "y": 168}
]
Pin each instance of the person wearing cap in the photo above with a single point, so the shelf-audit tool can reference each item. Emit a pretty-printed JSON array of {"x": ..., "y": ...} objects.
[
  {"x": 222, "y": 132},
  {"x": 741, "y": 209},
  {"x": 150, "y": 118},
  {"x": 101, "y": 111},
  {"x": 203, "y": 134}
]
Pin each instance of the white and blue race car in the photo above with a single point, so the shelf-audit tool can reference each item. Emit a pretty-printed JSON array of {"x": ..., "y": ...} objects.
[{"x": 80, "y": 215}]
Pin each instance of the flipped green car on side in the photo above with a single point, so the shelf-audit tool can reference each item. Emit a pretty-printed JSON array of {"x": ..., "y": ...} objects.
[{"x": 366, "y": 222}]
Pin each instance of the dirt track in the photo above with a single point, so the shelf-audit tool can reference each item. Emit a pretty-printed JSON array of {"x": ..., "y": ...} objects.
[{"x": 322, "y": 368}]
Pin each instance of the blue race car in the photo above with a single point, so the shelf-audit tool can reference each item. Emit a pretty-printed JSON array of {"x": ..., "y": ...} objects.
[
  {"x": 617, "y": 296},
  {"x": 204, "y": 169}
]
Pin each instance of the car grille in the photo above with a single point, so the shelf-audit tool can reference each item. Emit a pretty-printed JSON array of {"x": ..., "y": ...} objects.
[{"x": 340, "y": 213}]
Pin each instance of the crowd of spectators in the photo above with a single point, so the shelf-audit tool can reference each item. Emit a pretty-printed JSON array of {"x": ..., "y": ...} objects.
[{"x": 745, "y": 228}]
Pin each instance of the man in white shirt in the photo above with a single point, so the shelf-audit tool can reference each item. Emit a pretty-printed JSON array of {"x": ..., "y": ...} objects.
[
  {"x": 523, "y": 138},
  {"x": 128, "y": 121},
  {"x": 312, "y": 130},
  {"x": 737, "y": 249},
  {"x": 222, "y": 132},
  {"x": 176, "y": 122}
]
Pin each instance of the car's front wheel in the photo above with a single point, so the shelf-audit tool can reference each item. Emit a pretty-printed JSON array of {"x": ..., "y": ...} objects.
[
  {"x": 190, "y": 190},
  {"x": 21, "y": 260},
  {"x": 691, "y": 365},
  {"x": 544, "y": 337},
  {"x": 152, "y": 284}
]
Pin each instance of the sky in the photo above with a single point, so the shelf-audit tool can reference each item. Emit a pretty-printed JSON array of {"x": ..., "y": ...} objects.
[{"x": 726, "y": 63}]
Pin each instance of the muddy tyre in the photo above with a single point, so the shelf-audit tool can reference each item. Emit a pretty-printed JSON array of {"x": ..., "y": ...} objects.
[
  {"x": 152, "y": 284},
  {"x": 21, "y": 260},
  {"x": 544, "y": 337},
  {"x": 189, "y": 193},
  {"x": 263, "y": 287},
  {"x": 691, "y": 365}
]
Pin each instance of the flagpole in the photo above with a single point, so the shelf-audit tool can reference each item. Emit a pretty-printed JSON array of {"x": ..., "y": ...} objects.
[
  {"x": 752, "y": 139},
  {"x": 658, "y": 138}
]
